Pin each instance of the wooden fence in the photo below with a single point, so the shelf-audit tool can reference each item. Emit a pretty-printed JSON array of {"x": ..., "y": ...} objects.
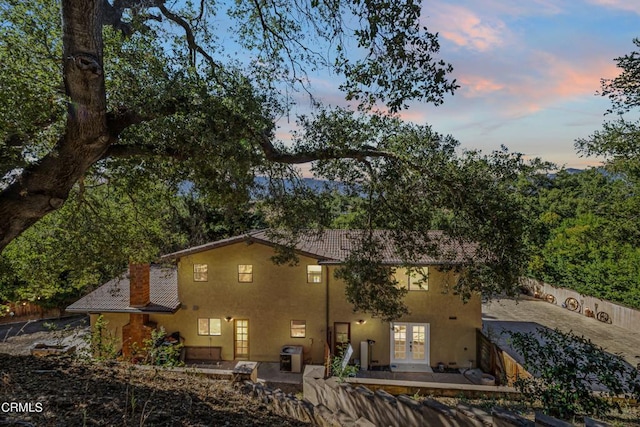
[
  {"x": 619, "y": 315},
  {"x": 23, "y": 311}
]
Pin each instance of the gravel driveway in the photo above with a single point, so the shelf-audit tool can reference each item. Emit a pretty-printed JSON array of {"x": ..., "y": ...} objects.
[{"x": 18, "y": 338}]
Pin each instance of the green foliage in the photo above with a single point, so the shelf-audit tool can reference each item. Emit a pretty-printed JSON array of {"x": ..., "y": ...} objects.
[
  {"x": 88, "y": 241},
  {"x": 340, "y": 372},
  {"x": 369, "y": 284},
  {"x": 32, "y": 103},
  {"x": 190, "y": 102},
  {"x": 423, "y": 184},
  {"x": 588, "y": 237},
  {"x": 617, "y": 141},
  {"x": 159, "y": 353},
  {"x": 102, "y": 343},
  {"x": 567, "y": 369}
]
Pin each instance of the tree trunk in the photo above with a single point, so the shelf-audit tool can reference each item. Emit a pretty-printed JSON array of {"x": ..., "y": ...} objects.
[{"x": 45, "y": 185}]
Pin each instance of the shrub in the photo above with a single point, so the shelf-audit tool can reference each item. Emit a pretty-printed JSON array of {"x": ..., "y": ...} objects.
[
  {"x": 102, "y": 343},
  {"x": 567, "y": 369}
]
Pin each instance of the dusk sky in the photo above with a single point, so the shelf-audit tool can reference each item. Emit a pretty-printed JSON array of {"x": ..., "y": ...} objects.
[{"x": 528, "y": 71}]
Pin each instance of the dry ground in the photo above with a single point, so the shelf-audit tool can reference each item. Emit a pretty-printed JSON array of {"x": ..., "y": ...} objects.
[{"x": 73, "y": 393}]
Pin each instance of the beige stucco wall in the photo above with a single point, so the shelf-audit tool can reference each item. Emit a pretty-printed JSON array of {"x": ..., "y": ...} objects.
[
  {"x": 452, "y": 323},
  {"x": 115, "y": 323},
  {"x": 277, "y": 295}
]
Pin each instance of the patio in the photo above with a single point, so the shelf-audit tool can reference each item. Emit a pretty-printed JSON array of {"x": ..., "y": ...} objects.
[{"x": 270, "y": 374}]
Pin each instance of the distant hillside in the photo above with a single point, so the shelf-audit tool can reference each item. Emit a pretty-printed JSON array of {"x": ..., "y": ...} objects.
[{"x": 570, "y": 171}]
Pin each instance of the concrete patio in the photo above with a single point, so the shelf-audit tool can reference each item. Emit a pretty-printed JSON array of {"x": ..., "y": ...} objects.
[{"x": 270, "y": 373}]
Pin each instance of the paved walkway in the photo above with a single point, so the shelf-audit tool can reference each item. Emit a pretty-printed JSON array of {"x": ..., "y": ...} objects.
[{"x": 528, "y": 313}]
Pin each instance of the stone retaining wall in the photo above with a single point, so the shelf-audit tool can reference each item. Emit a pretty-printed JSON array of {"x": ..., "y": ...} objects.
[{"x": 331, "y": 403}]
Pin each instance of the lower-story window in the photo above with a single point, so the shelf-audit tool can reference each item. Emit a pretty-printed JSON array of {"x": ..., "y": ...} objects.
[
  {"x": 209, "y": 327},
  {"x": 298, "y": 328}
]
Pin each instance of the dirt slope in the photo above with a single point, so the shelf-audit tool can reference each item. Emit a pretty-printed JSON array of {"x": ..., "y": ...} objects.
[{"x": 72, "y": 393}]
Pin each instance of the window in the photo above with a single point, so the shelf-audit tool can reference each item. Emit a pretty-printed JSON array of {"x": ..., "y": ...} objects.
[
  {"x": 298, "y": 328},
  {"x": 200, "y": 272},
  {"x": 419, "y": 279},
  {"x": 209, "y": 327},
  {"x": 314, "y": 273},
  {"x": 245, "y": 273}
]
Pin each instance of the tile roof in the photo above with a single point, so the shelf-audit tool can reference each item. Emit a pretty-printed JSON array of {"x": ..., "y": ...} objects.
[
  {"x": 113, "y": 296},
  {"x": 334, "y": 246}
]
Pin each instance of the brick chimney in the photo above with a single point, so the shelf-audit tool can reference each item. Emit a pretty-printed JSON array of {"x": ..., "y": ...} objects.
[
  {"x": 139, "y": 328},
  {"x": 135, "y": 335},
  {"x": 139, "y": 294}
]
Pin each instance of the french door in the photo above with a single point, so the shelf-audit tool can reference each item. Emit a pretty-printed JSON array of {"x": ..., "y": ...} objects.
[
  {"x": 241, "y": 339},
  {"x": 410, "y": 343}
]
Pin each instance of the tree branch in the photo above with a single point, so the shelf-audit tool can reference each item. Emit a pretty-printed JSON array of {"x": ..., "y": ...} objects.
[
  {"x": 119, "y": 120},
  {"x": 278, "y": 156},
  {"x": 191, "y": 39},
  {"x": 126, "y": 151},
  {"x": 113, "y": 14}
]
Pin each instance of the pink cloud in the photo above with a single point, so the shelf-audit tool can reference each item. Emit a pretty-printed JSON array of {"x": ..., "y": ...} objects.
[
  {"x": 465, "y": 28},
  {"x": 631, "y": 6},
  {"x": 559, "y": 78},
  {"x": 528, "y": 8},
  {"x": 535, "y": 84},
  {"x": 476, "y": 86}
]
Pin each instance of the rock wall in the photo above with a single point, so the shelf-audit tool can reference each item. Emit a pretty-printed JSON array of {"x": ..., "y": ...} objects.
[{"x": 331, "y": 403}]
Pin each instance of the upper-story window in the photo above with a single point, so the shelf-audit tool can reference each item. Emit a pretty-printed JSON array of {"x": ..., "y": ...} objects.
[
  {"x": 419, "y": 279},
  {"x": 200, "y": 272},
  {"x": 245, "y": 273},
  {"x": 314, "y": 273}
]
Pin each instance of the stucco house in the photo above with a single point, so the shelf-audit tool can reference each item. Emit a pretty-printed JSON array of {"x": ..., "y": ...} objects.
[{"x": 228, "y": 300}]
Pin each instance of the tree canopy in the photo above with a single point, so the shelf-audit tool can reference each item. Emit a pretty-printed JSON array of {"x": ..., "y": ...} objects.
[
  {"x": 617, "y": 141},
  {"x": 124, "y": 103},
  {"x": 126, "y": 79},
  {"x": 586, "y": 229}
]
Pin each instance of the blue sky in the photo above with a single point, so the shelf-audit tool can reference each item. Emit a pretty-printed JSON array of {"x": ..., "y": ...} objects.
[{"x": 528, "y": 70}]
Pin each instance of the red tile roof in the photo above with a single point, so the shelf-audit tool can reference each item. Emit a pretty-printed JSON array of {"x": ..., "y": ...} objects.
[
  {"x": 334, "y": 246},
  {"x": 113, "y": 296}
]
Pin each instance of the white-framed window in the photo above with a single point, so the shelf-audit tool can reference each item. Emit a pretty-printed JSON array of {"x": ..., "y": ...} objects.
[
  {"x": 209, "y": 326},
  {"x": 200, "y": 272},
  {"x": 314, "y": 273},
  {"x": 245, "y": 273},
  {"x": 298, "y": 328},
  {"x": 418, "y": 279}
]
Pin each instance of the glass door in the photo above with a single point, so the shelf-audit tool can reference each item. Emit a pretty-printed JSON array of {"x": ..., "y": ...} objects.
[
  {"x": 241, "y": 339},
  {"x": 410, "y": 343}
]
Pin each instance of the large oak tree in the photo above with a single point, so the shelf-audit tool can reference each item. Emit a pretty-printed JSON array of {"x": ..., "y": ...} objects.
[
  {"x": 395, "y": 63},
  {"x": 160, "y": 95}
]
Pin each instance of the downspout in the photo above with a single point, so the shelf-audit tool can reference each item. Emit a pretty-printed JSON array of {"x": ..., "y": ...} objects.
[{"x": 328, "y": 335}]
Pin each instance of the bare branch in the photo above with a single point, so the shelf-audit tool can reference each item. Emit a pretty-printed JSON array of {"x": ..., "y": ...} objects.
[{"x": 191, "y": 39}]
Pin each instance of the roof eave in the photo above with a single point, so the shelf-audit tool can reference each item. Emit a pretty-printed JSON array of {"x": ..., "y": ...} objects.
[{"x": 167, "y": 310}]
